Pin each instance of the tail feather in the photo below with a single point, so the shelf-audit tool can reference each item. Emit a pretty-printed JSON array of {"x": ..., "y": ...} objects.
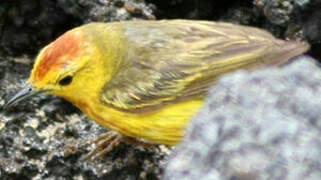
[{"x": 283, "y": 51}]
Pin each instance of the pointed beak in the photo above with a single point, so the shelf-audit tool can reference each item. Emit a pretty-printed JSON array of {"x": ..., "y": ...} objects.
[{"x": 23, "y": 94}]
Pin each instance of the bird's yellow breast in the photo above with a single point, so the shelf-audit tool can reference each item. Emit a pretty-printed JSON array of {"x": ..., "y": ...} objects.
[{"x": 165, "y": 125}]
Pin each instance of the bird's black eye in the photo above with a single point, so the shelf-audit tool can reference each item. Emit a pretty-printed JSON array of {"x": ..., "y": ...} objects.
[{"x": 65, "y": 81}]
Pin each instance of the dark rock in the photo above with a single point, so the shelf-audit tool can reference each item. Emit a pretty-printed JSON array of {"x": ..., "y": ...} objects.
[
  {"x": 28, "y": 25},
  {"x": 56, "y": 151},
  {"x": 260, "y": 125}
]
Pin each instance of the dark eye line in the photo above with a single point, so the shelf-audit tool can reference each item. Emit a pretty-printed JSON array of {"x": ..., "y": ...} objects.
[{"x": 65, "y": 81}]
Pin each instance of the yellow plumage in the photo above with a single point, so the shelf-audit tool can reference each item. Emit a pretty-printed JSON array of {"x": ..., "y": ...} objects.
[{"x": 146, "y": 79}]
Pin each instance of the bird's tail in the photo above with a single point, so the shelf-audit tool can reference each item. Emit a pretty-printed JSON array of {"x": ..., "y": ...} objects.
[{"x": 283, "y": 51}]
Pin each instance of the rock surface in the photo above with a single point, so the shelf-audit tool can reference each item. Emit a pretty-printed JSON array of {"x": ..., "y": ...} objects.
[{"x": 263, "y": 125}]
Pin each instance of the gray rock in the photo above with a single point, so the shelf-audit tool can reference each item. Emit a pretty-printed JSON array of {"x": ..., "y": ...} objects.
[{"x": 263, "y": 125}]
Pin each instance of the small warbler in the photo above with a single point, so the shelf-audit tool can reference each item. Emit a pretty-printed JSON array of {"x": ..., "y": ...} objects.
[{"x": 146, "y": 79}]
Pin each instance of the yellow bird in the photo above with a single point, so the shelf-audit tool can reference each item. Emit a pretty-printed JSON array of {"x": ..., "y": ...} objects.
[{"x": 146, "y": 79}]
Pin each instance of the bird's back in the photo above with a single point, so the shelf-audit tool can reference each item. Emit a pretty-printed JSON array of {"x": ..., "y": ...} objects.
[{"x": 174, "y": 60}]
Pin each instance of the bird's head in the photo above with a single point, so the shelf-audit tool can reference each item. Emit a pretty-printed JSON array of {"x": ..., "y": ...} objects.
[{"x": 72, "y": 66}]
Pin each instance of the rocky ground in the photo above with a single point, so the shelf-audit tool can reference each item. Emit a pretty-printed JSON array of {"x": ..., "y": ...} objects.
[{"x": 45, "y": 137}]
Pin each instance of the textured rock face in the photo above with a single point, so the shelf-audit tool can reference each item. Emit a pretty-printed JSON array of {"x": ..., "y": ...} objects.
[{"x": 260, "y": 125}]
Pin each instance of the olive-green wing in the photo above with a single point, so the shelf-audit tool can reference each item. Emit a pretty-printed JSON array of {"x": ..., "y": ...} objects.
[{"x": 175, "y": 60}]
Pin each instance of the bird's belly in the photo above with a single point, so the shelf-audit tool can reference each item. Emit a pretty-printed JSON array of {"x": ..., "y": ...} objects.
[{"x": 165, "y": 125}]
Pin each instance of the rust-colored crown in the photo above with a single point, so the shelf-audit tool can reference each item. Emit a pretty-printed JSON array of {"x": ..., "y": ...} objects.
[{"x": 57, "y": 53}]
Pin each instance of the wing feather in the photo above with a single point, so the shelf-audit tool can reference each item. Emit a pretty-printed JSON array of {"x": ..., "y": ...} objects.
[{"x": 175, "y": 60}]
